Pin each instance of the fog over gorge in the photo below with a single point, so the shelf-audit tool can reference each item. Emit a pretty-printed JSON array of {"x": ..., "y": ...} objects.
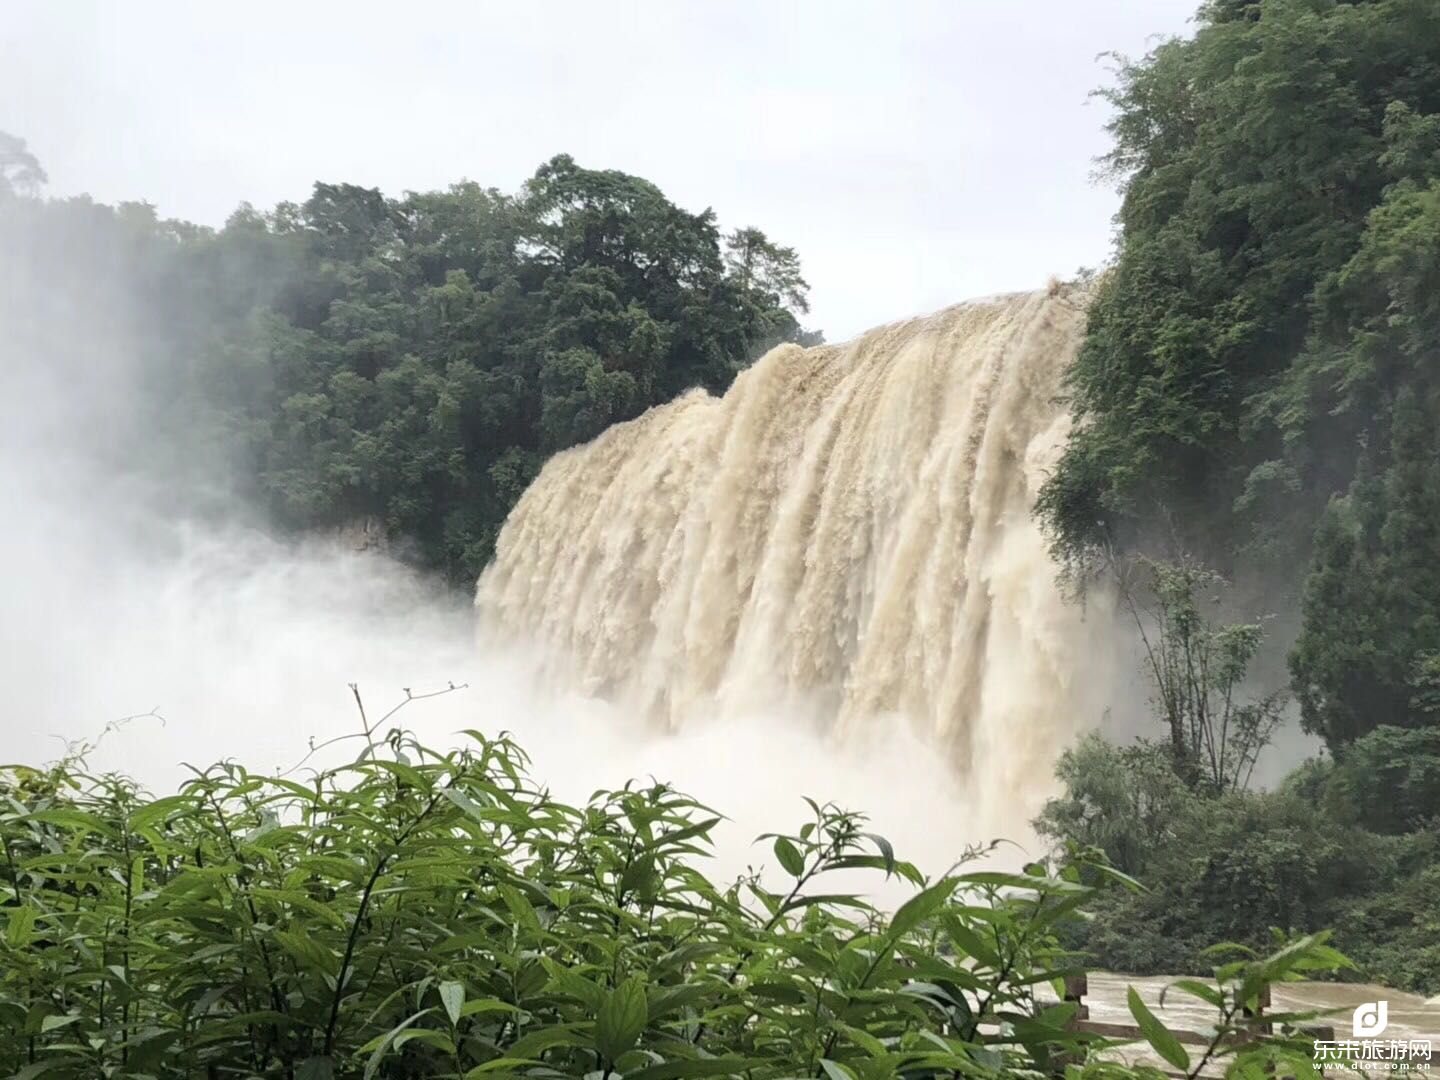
[
  {"x": 148, "y": 577},
  {"x": 140, "y": 583},
  {"x": 822, "y": 582}
]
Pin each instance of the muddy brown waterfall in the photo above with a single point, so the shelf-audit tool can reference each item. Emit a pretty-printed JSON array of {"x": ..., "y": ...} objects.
[{"x": 844, "y": 540}]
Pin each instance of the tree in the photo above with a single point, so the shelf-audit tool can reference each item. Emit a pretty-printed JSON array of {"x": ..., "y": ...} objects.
[
  {"x": 1367, "y": 652},
  {"x": 20, "y": 171},
  {"x": 1224, "y": 372},
  {"x": 1198, "y": 670},
  {"x": 1263, "y": 358},
  {"x": 1390, "y": 778},
  {"x": 772, "y": 269},
  {"x": 1125, "y": 800},
  {"x": 411, "y": 362}
]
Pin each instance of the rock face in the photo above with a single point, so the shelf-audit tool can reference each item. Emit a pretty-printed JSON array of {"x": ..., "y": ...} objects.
[{"x": 363, "y": 534}]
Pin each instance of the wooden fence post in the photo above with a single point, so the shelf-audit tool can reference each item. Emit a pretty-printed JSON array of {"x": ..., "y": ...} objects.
[
  {"x": 1076, "y": 987},
  {"x": 1265, "y": 1027}
]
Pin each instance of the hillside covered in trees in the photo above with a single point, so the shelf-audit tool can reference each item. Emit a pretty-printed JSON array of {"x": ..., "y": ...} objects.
[
  {"x": 408, "y": 361},
  {"x": 1259, "y": 393},
  {"x": 1261, "y": 377}
]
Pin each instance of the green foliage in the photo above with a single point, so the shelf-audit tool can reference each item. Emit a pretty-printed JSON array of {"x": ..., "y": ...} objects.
[
  {"x": 1367, "y": 652},
  {"x": 1197, "y": 670},
  {"x": 1126, "y": 800},
  {"x": 1260, "y": 161},
  {"x": 423, "y": 914},
  {"x": 409, "y": 362},
  {"x": 1267, "y": 337},
  {"x": 1396, "y": 927},
  {"x": 1259, "y": 384},
  {"x": 1156, "y": 1034},
  {"x": 1389, "y": 780},
  {"x": 1302, "y": 857}
]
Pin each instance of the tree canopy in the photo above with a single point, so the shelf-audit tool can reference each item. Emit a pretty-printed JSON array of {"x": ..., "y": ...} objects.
[
  {"x": 413, "y": 360},
  {"x": 1261, "y": 359}
]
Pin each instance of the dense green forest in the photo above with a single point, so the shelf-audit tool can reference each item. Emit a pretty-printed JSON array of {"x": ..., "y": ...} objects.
[
  {"x": 409, "y": 361},
  {"x": 1259, "y": 392}
]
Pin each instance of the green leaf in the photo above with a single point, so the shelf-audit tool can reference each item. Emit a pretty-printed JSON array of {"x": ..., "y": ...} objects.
[
  {"x": 544, "y": 1038},
  {"x": 429, "y": 1036},
  {"x": 452, "y": 996},
  {"x": 639, "y": 875},
  {"x": 321, "y": 1067},
  {"x": 863, "y": 1039},
  {"x": 309, "y": 952},
  {"x": 1117, "y": 875},
  {"x": 669, "y": 999},
  {"x": 1022, "y": 882},
  {"x": 1196, "y": 989},
  {"x": 520, "y": 907},
  {"x": 835, "y": 1071},
  {"x": 72, "y": 819},
  {"x": 679, "y": 836},
  {"x": 789, "y": 856},
  {"x": 621, "y": 1019},
  {"x": 29, "y": 1072},
  {"x": 575, "y": 985},
  {"x": 692, "y": 1067},
  {"x": 382, "y": 1044},
  {"x": 878, "y": 862},
  {"x": 500, "y": 1064},
  {"x": 920, "y": 907},
  {"x": 296, "y": 898},
  {"x": 1157, "y": 1034},
  {"x": 405, "y": 773},
  {"x": 969, "y": 941},
  {"x": 784, "y": 993},
  {"x": 20, "y": 930},
  {"x": 467, "y": 804},
  {"x": 485, "y": 1005},
  {"x": 887, "y": 851}
]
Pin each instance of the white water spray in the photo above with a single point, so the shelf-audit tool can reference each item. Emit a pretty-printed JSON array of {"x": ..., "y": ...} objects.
[{"x": 844, "y": 538}]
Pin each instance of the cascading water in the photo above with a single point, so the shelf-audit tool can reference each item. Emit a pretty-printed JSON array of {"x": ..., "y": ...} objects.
[{"x": 844, "y": 538}]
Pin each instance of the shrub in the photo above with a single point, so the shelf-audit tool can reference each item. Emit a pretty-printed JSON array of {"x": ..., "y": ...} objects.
[
  {"x": 439, "y": 915},
  {"x": 426, "y": 914},
  {"x": 1234, "y": 866},
  {"x": 1391, "y": 778}
]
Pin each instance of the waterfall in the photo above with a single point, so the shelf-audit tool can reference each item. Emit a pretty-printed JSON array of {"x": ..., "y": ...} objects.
[{"x": 844, "y": 539}]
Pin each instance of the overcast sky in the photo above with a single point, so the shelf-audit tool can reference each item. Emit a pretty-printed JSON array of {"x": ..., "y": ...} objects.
[{"x": 916, "y": 153}]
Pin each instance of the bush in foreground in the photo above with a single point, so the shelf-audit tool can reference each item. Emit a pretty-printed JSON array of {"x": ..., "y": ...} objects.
[{"x": 423, "y": 914}]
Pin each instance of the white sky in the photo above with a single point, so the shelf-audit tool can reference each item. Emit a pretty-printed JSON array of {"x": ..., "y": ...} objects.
[{"x": 915, "y": 153}]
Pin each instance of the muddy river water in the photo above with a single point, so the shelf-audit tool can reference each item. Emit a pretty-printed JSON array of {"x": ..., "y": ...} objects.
[{"x": 1411, "y": 1016}]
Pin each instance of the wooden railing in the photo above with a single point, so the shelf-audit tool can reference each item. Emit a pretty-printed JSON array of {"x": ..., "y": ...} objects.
[{"x": 1077, "y": 986}]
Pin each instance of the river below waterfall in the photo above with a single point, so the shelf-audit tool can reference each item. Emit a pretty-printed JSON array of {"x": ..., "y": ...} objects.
[{"x": 1411, "y": 1016}]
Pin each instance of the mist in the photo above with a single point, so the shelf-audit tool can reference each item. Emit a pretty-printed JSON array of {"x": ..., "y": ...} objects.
[
  {"x": 140, "y": 584},
  {"x": 156, "y": 614}
]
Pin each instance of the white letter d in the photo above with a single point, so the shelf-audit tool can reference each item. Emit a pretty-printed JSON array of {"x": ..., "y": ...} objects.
[{"x": 1371, "y": 1018}]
